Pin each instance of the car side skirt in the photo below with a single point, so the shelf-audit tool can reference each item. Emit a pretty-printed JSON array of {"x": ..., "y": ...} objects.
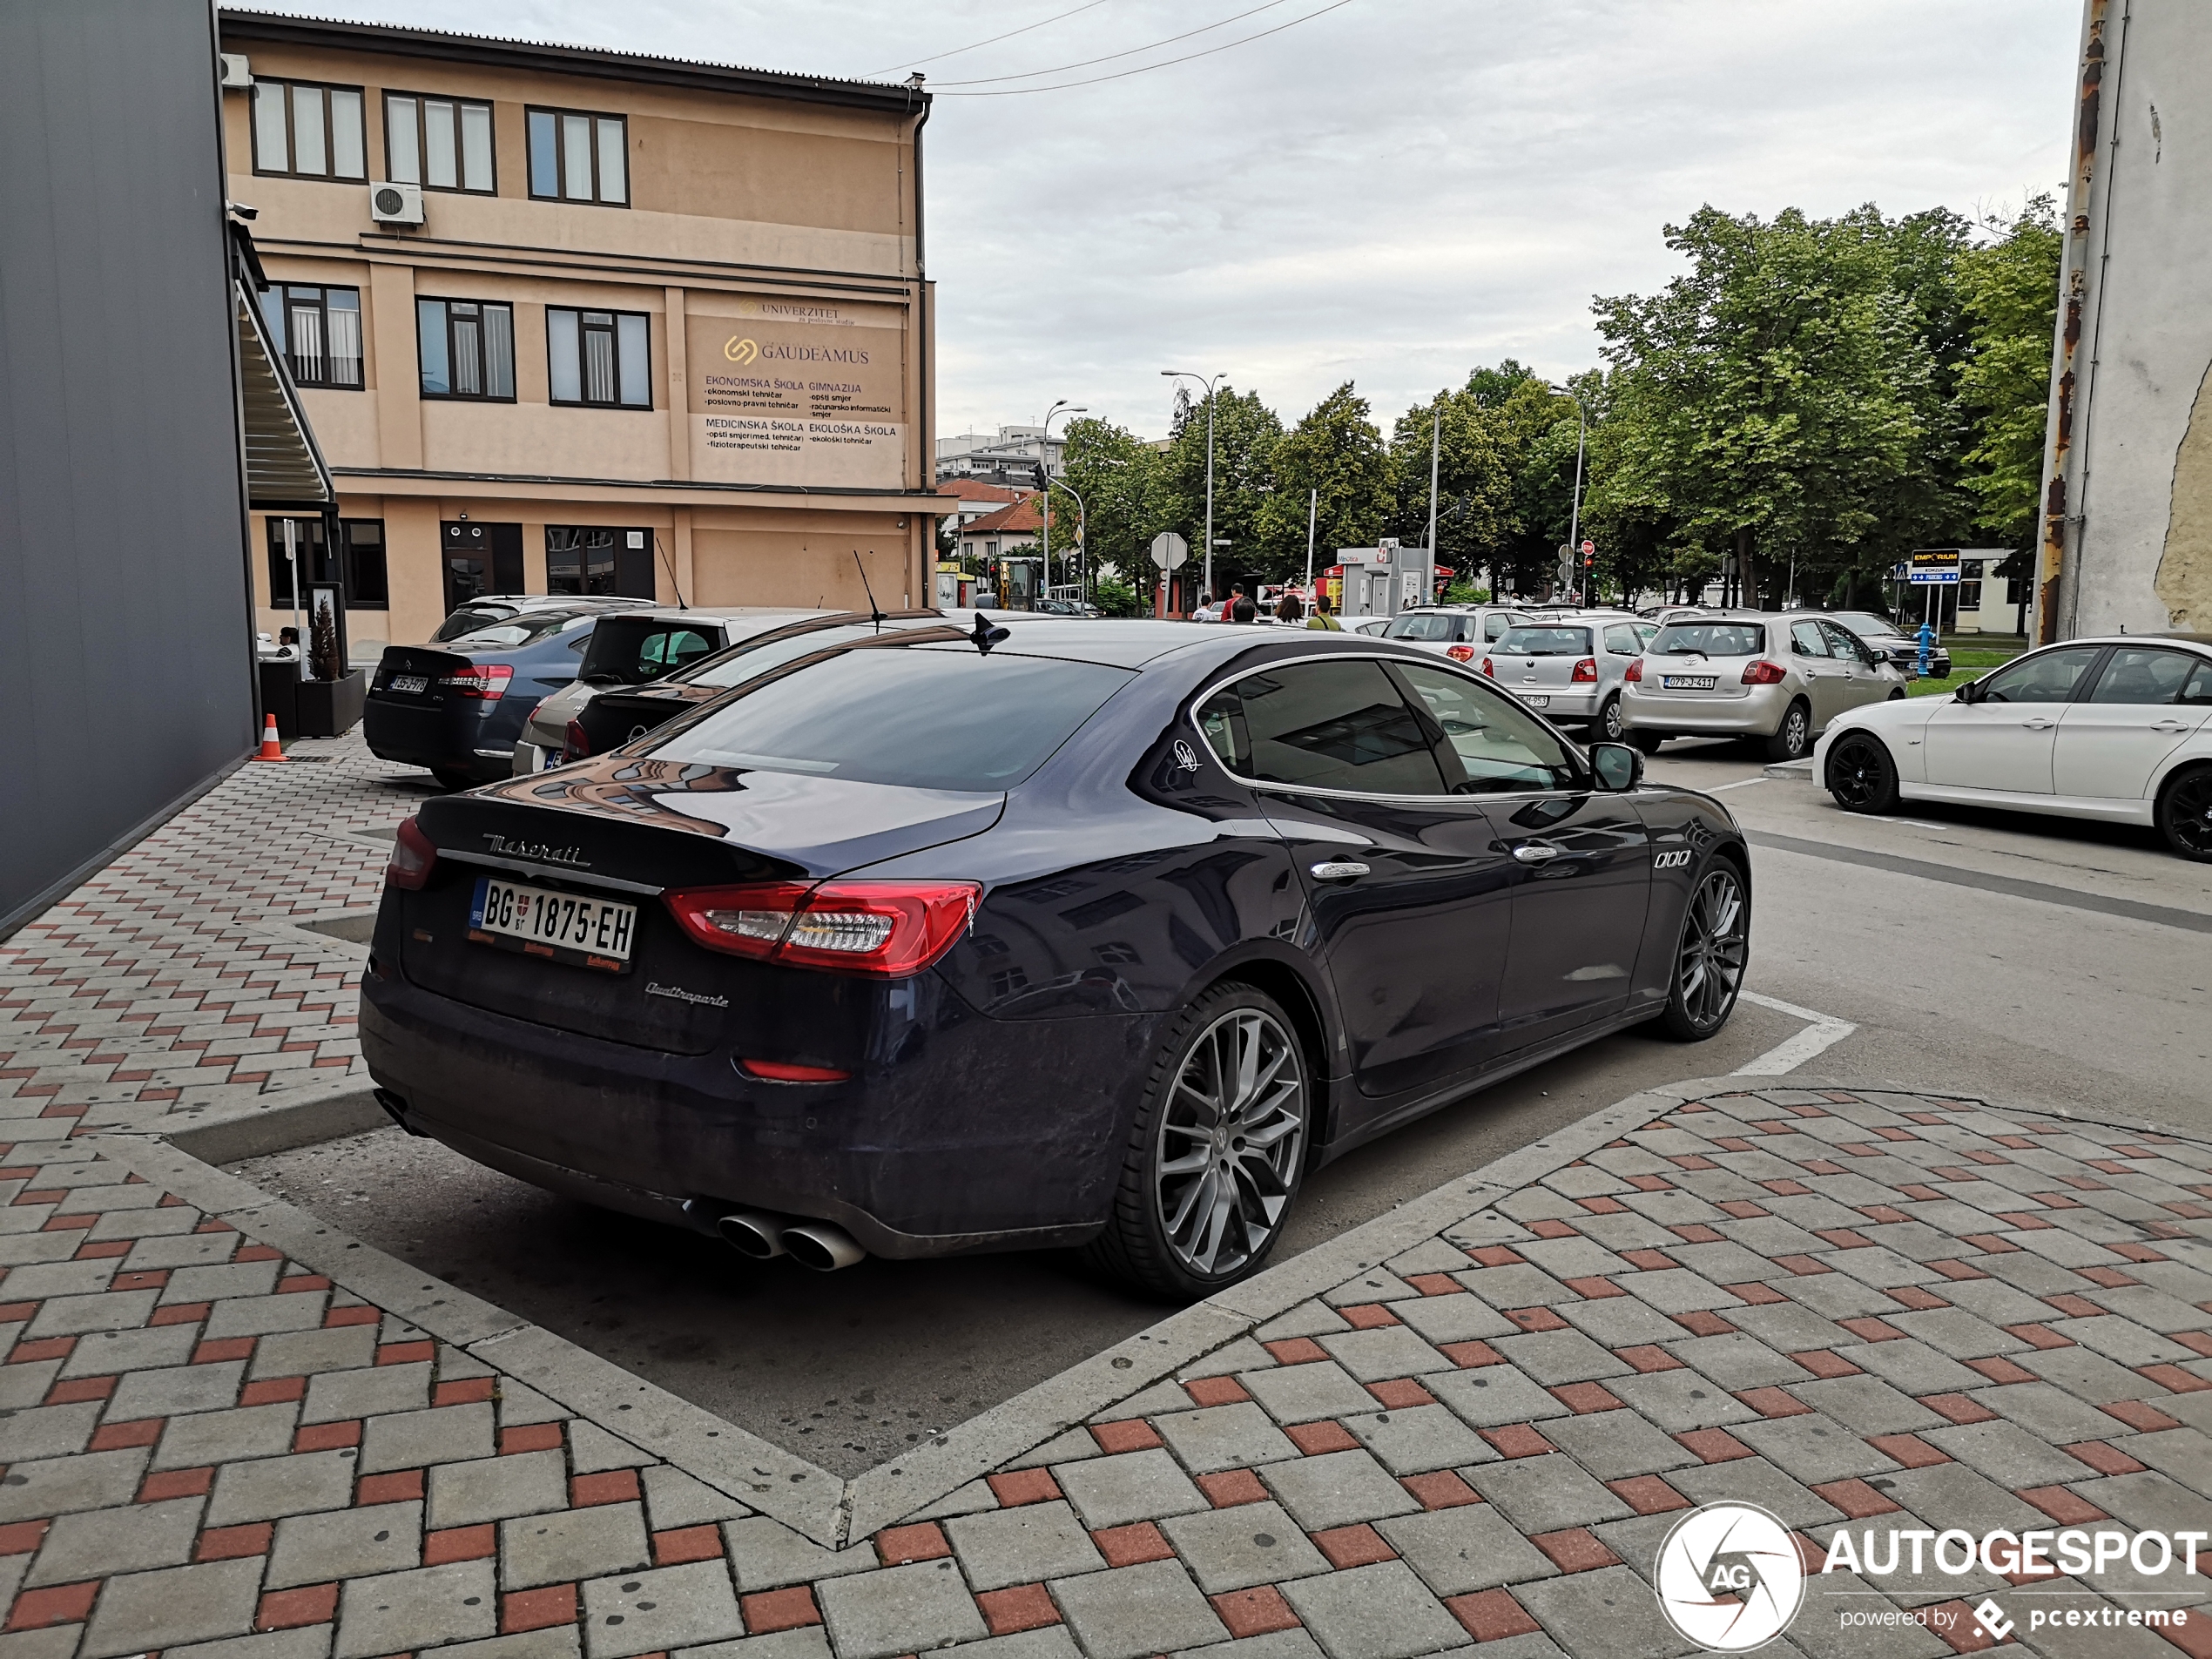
[{"x": 2102, "y": 809}]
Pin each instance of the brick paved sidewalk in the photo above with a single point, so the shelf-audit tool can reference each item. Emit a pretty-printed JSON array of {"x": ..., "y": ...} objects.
[
  {"x": 239, "y": 1435},
  {"x": 176, "y": 977}
]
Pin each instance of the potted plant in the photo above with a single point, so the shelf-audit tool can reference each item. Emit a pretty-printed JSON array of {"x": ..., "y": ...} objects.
[{"x": 331, "y": 698}]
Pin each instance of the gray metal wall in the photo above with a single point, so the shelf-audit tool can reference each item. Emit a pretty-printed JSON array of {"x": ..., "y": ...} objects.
[{"x": 126, "y": 644}]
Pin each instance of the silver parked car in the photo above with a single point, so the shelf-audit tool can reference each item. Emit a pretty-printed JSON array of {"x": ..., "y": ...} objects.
[
  {"x": 635, "y": 649},
  {"x": 1746, "y": 674},
  {"x": 1571, "y": 668},
  {"x": 1458, "y": 631}
]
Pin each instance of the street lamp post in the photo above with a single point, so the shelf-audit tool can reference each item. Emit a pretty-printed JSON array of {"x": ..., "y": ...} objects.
[
  {"x": 1045, "y": 478},
  {"x": 1575, "y": 514},
  {"x": 1083, "y": 536},
  {"x": 1186, "y": 374}
]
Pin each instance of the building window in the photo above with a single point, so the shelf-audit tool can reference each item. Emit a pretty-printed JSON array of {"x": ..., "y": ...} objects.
[
  {"x": 467, "y": 349},
  {"x": 439, "y": 143},
  {"x": 601, "y": 358},
  {"x": 318, "y": 331},
  {"x": 308, "y": 132},
  {"x": 579, "y": 157},
  {"x": 363, "y": 577},
  {"x": 590, "y": 559},
  {"x": 1970, "y": 596}
]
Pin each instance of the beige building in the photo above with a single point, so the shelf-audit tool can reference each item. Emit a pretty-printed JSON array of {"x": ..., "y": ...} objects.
[{"x": 569, "y": 320}]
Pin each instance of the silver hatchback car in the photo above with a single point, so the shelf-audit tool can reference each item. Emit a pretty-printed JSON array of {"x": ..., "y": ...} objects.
[
  {"x": 1748, "y": 674},
  {"x": 1458, "y": 631},
  {"x": 1572, "y": 667}
]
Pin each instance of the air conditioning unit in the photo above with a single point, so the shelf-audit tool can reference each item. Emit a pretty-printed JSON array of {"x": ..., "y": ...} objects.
[
  {"x": 233, "y": 72},
  {"x": 395, "y": 203}
]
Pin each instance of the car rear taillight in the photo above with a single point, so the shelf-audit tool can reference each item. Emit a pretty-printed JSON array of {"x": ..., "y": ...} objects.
[
  {"x": 413, "y": 856},
  {"x": 1586, "y": 672},
  {"x": 577, "y": 742},
  {"x": 1635, "y": 672},
  {"x": 1763, "y": 673},
  {"x": 885, "y": 929},
  {"x": 1460, "y": 653},
  {"x": 779, "y": 1071},
  {"x": 1487, "y": 669},
  {"x": 485, "y": 681}
]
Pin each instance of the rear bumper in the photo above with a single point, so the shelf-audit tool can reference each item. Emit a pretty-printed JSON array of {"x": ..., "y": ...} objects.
[
  {"x": 1756, "y": 713},
  {"x": 962, "y": 1133},
  {"x": 1577, "y": 707},
  {"x": 444, "y": 738}
]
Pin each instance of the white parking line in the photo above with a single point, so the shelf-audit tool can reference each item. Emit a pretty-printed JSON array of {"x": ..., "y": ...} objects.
[
  {"x": 1822, "y": 1031},
  {"x": 1741, "y": 783}
]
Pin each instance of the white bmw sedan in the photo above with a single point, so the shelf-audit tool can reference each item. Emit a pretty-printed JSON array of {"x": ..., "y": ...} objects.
[{"x": 2118, "y": 729}]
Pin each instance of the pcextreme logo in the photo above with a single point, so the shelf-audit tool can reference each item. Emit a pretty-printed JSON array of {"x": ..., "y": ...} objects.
[
  {"x": 1730, "y": 1578},
  {"x": 740, "y": 349}
]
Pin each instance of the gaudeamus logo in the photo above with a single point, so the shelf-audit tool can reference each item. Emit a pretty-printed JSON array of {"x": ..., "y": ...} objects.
[{"x": 1729, "y": 1577}]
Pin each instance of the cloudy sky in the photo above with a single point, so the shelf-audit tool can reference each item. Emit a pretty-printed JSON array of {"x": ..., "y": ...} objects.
[{"x": 1388, "y": 192}]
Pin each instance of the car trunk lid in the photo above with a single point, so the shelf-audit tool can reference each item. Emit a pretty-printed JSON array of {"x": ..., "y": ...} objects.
[{"x": 417, "y": 675}]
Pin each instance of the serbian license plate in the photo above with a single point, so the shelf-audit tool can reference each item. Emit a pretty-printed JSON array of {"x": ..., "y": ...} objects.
[
  {"x": 1689, "y": 682},
  {"x": 409, "y": 684},
  {"x": 589, "y": 933},
  {"x": 1535, "y": 701}
]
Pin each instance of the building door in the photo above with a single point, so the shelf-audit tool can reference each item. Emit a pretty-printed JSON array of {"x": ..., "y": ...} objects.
[
  {"x": 594, "y": 559},
  {"x": 480, "y": 559}
]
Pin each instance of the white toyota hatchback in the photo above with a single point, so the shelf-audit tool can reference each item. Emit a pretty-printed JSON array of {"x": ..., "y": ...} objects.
[{"x": 2118, "y": 729}]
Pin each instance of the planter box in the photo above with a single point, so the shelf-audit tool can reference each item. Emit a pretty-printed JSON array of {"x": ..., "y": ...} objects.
[{"x": 332, "y": 708}]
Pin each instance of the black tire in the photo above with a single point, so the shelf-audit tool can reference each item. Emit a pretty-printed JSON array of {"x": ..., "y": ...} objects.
[
  {"x": 1188, "y": 1255},
  {"x": 2185, "y": 814},
  {"x": 452, "y": 778},
  {"x": 1862, "y": 773},
  {"x": 1711, "y": 952},
  {"x": 1648, "y": 742},
  {"x": 1792, "y": 739},
  {"x": 1607, "y": 728},
  {"x": 1897, "y": 696}
]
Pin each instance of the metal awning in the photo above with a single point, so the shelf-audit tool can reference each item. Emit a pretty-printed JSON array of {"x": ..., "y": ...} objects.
[{"x": 284, "y": 468}]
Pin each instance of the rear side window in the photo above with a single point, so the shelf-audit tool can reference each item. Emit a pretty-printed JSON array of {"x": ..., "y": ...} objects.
[
  {"x": 1322, "y": 725},
  {"x": 1710, "y": 639},
  {"x": 1421, "y": 624},
  {"x": 1496, "y": 626},
  {"x": 2144, "y": 674},
  {"x": 632, "y": 650},
  {"x": 1500, "y": 747},
  {"x": 1623, "y": 641},
  {"x": 1807, "y": 640},
  {"x": 924, "y": 716},
  {"x": 1548, "y": 642}
]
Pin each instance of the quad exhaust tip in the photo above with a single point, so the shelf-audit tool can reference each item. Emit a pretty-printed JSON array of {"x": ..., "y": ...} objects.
[
  {"x": 821, "y": 1245},
  {"x": 751, "y": 1232}
]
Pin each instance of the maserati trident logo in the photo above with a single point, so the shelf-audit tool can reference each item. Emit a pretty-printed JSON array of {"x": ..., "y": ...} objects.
[
  {"x": 537, "y": 851},
  {"x": 1185, "y": 757},
  {"x": 1729, "y": 1577}
]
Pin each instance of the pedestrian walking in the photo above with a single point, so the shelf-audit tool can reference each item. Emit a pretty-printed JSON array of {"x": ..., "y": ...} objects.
[
  {"x": 1290, "y": 609},
  {"x": 1322, "y": 617},
  {"x": 1241, "y": 607}
]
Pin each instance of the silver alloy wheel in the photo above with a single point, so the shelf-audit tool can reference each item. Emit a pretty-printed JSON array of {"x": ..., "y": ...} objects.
[
  {"x": 1796, "y": 729},
  {"x": 1230, "y": 1136},
  {"x": 1715, "y": 946},
  {"x": 1609, "y": 721}
]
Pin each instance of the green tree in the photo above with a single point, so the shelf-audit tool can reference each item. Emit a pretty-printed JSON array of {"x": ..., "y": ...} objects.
[
  {"x": 1337, "y": 450},
  {"x": 2011, "y": 288},
  {"x": 1246, "y": 432},
  {"x": 1122, "y": 480},
  {"x": 1474, "y": 484}
]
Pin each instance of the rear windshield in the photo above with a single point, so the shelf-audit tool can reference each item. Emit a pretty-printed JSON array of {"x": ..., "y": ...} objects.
[
  {"x": 742, "y": 663},
  {"x": 463, "y": 621},
  {"x": 1422, "y": 624},
  {"x": 1547, "y": 642},
  {"x": 1710, "y": 639},
  {"x": 939, "y": 717},
  {"x": 629, "y": 651},
  {"x": 1863, "y": 624},
  {"x": 514, "y": 634}
]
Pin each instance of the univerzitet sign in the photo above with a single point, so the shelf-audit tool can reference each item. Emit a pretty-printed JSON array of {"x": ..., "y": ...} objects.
[{"x": 797, "y": 392}]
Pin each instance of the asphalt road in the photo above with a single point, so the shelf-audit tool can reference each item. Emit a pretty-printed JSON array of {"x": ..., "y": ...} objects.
[{"x": 2025, "y": 960}]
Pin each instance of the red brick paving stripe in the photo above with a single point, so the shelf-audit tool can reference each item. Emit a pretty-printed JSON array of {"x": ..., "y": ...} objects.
[
  {"x": 1215, "y": 1390},
  {"x": 289, "y": 1610},
  {"x": 1536, "y": 1319},
  {"x": 681, "y": 1544},
  {"x": 361, "y": 1314},
  {"x": 1959, "y": 1408},
  {"x": 325, "y": 1437},
  {"x": 1703, "y": 1322},
  {"x": 1885, "y": 1215},
  {"x": 1137, "y": 1542},
  {"x": 1574, "y": 1549},
  {"x": 100, "y": 1250},
  {"x": 112, "y": 1437},
  {"x": 2110, "y": 1278},
  {"x": 1595, "y": 1288},
  {"x": 1786, "y": 1188},
  {"x": 1908, "y": 1449},
  {"x": 1599, "y": 1205},
  {"x": 80, "y": 1388},
  {"x": 1314, "y": 1438},
  {"x": 221, "y": 1349},
  {"x": 465, "y": 1392},
  {"x": 1017, "y": 1608},
  {"x": 1646, "y": 1495},
  {"x": 303, "y": 1282},
  {"x": 2027, "y": 1221},
  {"x": 1368, "y": 1316},
  {"x": 1646, "y": 1261},
  {"x": 1803, "y": 1266},
  {"x": 1497, "y": 1256},
  {"x": 1825, "y": 1362},
  {"x": 2139, "y": 1414},
  {"x": 924, "y": 1541},
  {"x": 2137, "y": 1252},
  {"x": 21, "y": 1537},
  {"x": 1020, "y": 1487},
  {"x": 768, "y": 1611},
  {"x": 181, "y": 1313},
  {"x": 1255, "y": 1612},
  {"x": 1869, "y": 1329},
  {"x": 2196, "y": 1341},
  {"x": 67, "y": 1223},
  {"x": 400, "y": 1485},
  {"x": 258, "y": 1253},
  {"x": 272, "y": 1390},
  {"x": 616, "y": 1486},
  {"x": 1733, "y": 1144},
  {"x": 1551, "y": 1227},
  {"x": 2040, "y": 1336},
  {"x": 1227, "y": 1488},
  {"x": 460, "y": 1544},
  {"x": 1919, "y": 1300},
  {"x": 2175, "y": 1378},
  {"x": 1856, "y": 1499},
  {"x": 44, "y": 1348},
  {"x": 55, "y": 1604},
  {"x": 405, "y": 1354},
  {"x": 1518, "y": 1439},
  {"x": 1714, "y": 1445},
  {"x": 1436, "y": 1284},
  {"x": 1825, "y": 1166},
  {"x": 1491, "y": 1616},
  {"x": 1296, "y": 1351},
  {"x": 539, "y": 1610},
  {"x": 1648, "y": 1356},
  {"x": 1356, "y": 1546},
  {"x": 1442, "y": 1490},
  {"x": 1998, "y": 1369},
  {"x": 1130, "y": 1435},
  {"x": 1756, "y": 1292},
  {"x": 1401, "y": 1393},
  {"x": 163, "y": 1484},
  {"x": 1651, "y": 1184},
  {"x": 1989, "y": 1243},
  {"x": 1467, "y": 1356},
  {"x": 1585, "y": 1397},
  {"x": 2074, "y": 1307},
  {"x": 2063, "y": 1505},
  {"x": 2103, "y": 1457},
  {"x": 1741, "y": 1209},
  {"x": 529, "y": 1437},
  {"x": 1696, "y": 1233}
]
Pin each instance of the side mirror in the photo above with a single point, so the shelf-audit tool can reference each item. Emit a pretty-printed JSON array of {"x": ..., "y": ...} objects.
[
  {"x": 1618, "y": 765},
  {"x": 1970, "y": 692}
]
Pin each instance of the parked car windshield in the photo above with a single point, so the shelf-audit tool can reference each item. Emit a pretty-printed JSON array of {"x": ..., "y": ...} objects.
[
  {"x": 1864, "y": 625},
  {"x": 1547, "y": 642},
  {"x": 1710, "y": 639},
  {"x": 514, "y": 634},
  {"x": 940, "y": 717}
]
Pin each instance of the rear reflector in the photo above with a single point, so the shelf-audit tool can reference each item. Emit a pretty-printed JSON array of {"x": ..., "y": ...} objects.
[
  {"x": 1763, "y": 673},
  {"x": 1460, "y": 653},
  {"x": 413, "y": 858},
  {"x": 1586, "y": 672},
  {"x": 776, "y": 1071},
  {"x": 486, "y": 681},
  {"x": 885, "y": 929}
]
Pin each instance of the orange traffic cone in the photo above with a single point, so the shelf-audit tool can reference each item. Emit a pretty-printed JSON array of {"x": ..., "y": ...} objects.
[{"x": 270, "y": 750}]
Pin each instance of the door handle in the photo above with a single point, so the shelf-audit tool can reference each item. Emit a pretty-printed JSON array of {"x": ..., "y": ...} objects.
[
  {"x": 1338, "y": 870},
  {"x": 2171, "y": 724},
  {"x": 1535, "y": 853},
  {"x": 2039, "y": 724}
]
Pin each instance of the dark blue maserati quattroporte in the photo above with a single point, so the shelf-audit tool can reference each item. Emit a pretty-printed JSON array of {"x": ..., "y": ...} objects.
[{"x": 1073, "y": 933}]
